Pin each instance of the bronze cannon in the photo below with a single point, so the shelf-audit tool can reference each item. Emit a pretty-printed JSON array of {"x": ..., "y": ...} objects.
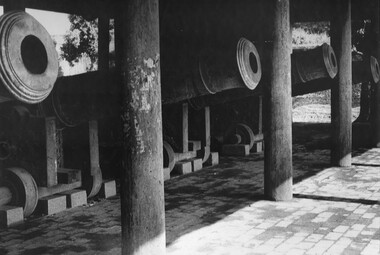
[{"x": 28, "y": 59}]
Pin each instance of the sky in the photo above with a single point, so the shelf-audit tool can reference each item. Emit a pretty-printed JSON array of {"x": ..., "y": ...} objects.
[{"x": 54, "y": 22}]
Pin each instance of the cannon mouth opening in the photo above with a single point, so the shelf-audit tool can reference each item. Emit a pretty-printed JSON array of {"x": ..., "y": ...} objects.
[
  {"x": 375, "y": 69},
  {"x": 34, "y": 55},
  {"x": 253, "y": 62},
  {"x": 249, "y": 65},
  {"x": 330, "y": 60}
]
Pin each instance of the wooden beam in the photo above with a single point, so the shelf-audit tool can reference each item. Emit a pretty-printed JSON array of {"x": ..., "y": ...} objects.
[
  {"x": 278, "y": 136},
  {"x": 341, "y": 92},
  {"x": 142, "y": 182},
  {"x": 90, "y": 9},
  {"x": 51, "y": 152},
  {"x": 13, "y": 5},
  {"x": 94, "y": 146}
]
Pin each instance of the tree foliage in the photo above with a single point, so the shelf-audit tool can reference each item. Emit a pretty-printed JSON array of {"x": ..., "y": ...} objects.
[{"x": 81, "y": 41}]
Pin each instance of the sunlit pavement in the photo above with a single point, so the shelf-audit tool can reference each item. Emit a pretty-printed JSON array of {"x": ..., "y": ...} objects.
[{"x": 221, "y": 210}]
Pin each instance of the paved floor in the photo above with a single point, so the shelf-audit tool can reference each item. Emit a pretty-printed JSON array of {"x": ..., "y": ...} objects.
[{"x": 221, "y": 210}]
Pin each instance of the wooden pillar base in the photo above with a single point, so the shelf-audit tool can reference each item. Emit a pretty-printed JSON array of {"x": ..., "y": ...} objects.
[{"x": 282, "y": 192}]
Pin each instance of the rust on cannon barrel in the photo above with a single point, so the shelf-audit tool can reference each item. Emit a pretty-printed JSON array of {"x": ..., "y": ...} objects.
[
  {"x": 28, "y": 59},
  {"x": 215, "y": 71}
]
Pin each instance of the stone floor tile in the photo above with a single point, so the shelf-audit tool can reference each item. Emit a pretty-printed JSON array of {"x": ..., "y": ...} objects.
[{"x": 219, "y": 211}]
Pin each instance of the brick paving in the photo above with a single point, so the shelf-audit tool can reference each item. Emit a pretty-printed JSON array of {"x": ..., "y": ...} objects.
[{"x": 221, "y": 210}]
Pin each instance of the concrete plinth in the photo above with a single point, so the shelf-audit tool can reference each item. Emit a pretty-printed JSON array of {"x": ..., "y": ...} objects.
[
  {"x": 11, "y": 215},
  {"x": 51, "y": 204},
  {"x": 213, "y": 160},
  {"x": 182, "y": 167},
  {"x": 166, "y": 174},
  {"x": 257, "y": 147},
  {"x": 108, "y": 189},
  {"x": 75, "y": 198},
  {"x": 235, "y": 149},
  {"x": 197, "y": 164},
  {"x": 195, "y": 145}
]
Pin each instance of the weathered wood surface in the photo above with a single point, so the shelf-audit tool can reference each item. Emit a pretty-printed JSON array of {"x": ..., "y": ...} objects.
[
  {"x": 142, "y": 183},
  {"x": 341, "y": 92},
  {"x": 278, "y": 136},
  {"x": 376, "y": 121}
]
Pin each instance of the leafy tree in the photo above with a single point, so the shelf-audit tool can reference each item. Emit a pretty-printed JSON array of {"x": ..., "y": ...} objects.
[{"x": 81, "y": 41}]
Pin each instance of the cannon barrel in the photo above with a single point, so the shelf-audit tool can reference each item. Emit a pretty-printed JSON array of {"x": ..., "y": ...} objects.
[
  {"x": 365, "y": 70},
  {"x": 215, "y": 70},
  {"x": 28, "y": 59},
  {"x": 79, "y": 98},
  {"x": 312, "y": 71},
  {"x": 305, "y": 80},
  {"x": 313, "y": 64},
  {"x": 362, "y": 71}
]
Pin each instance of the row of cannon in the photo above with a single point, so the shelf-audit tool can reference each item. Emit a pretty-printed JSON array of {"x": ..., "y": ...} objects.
[
  {"x": 218, "y": 77},
  {"x": 30, "y": 86}
]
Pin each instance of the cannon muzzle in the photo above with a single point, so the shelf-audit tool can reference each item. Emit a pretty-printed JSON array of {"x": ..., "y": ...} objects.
[
  {"x": 28, "y": 59},
  {"x": 215, "y": 70}
]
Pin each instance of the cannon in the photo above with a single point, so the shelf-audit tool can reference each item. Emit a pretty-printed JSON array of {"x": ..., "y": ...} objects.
[
  {"x": 214, "y": 71},
  {"x": 79, "y": 98},
  {"x": 91, "y": 95},
  {"x": 28, "y": 59},
  {"x": 312, "y": 71},
  {"x": 317, "y": 77},
  {"x": 365, "y": 70},
  {"x": 18, "y": 188}
]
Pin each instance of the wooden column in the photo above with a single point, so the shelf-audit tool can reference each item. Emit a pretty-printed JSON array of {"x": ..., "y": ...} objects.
[
  {"x": 93, "y": 140},
  {"x": 51, "y": 153},
  {"x": 341, "y": 92},
  {"x": 376, "y": 122},
  {"x": 278, "y": 135},
  {"x": 103, "y": 42},
  {"x": 185, "y": 127},
  {"x": 142, "y": 195},
  {"x": 207, "y": 127}
]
